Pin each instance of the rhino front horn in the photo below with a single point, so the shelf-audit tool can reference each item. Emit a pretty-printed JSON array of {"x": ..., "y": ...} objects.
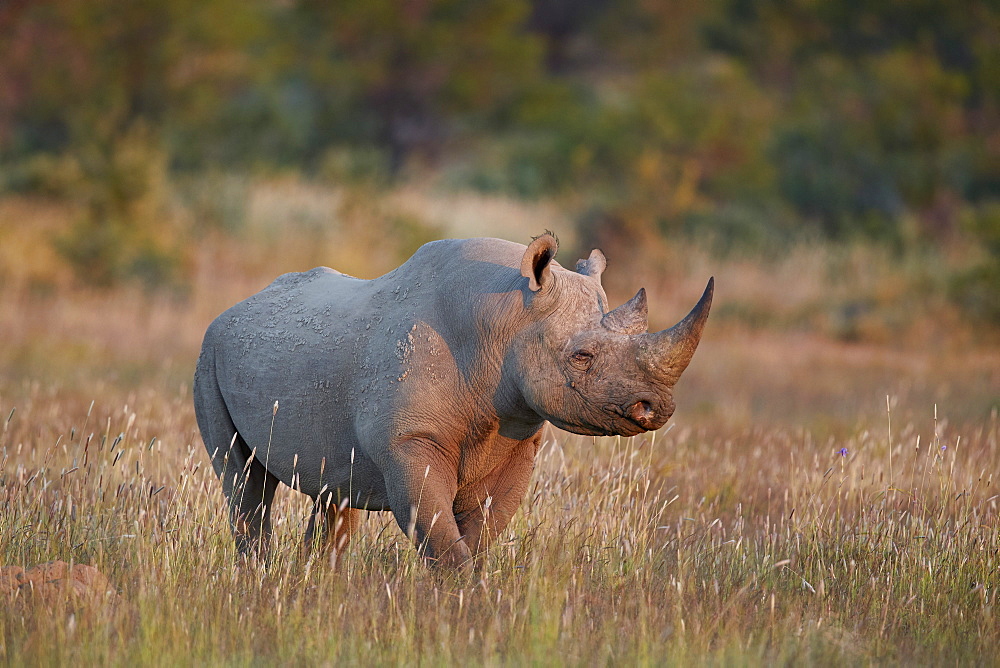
[{"x": 666, "y": 354}]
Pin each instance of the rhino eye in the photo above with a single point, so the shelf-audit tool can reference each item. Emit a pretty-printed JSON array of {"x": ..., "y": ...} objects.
[{"x": 582, "y": 359}]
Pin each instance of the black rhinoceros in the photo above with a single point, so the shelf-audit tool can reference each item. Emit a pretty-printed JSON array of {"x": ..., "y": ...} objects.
[{"x": 425, "y": 391}]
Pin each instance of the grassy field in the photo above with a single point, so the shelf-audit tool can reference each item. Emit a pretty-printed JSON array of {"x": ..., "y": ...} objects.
[{"x": 825, "y": 492}]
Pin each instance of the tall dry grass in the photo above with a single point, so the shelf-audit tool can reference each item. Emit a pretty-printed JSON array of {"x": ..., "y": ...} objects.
[
  {"x": 765, "y": 545},
  {"x": 816, "y": 499}
]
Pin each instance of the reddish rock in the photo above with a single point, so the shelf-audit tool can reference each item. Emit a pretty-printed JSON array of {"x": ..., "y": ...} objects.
[
  {"x": 9, "y": 578},
  {"x": 57, "y": 578},
  {"x": 90, "y": 577},
  {"x": 45, "y": 573}
]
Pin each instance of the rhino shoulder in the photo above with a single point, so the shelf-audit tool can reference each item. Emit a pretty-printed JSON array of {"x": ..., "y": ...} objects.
[{"x": 455, "y": 251}]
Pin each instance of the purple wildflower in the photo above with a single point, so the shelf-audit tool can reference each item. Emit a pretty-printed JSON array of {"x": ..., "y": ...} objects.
[{"x": 842, "y": 452}]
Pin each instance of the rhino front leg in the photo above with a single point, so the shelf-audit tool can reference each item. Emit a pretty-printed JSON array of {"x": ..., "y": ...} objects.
[
  {"x": 421, "y": 487},
  {"x": 486, "y": 508}
]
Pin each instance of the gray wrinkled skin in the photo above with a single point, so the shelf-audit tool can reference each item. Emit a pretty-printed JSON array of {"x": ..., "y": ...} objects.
[{"x": 425, "y": 391}]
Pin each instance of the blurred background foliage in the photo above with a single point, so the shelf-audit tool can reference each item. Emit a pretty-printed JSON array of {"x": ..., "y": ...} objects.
[{"x": 748, "y": 125}]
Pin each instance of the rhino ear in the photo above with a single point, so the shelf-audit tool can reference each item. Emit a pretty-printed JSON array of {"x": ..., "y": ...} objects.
[
  {"x": 593, "y": 266},
  {"x": 535, "y": 265}
]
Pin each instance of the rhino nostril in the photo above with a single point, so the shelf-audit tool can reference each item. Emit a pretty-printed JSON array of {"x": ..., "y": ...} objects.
[{"x": 641, "y": 412}]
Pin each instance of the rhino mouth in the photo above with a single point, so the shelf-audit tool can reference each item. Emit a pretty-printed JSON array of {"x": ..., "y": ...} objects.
[
  {"x": 616, "y": 425},
  {"x": 643, "y": 415},
  {"x": 631, "y": 417}
]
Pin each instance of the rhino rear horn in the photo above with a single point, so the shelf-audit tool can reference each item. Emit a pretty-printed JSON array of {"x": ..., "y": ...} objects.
[
  {"x": 630, "y": 317},
  {"x": 667, "y": 353}
]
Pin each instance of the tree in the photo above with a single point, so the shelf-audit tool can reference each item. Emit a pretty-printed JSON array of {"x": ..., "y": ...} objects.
[
  {"x": 405, "y": 75},
  {"x": 890, "y": 107},
  {"x": 93, "y": 92}
]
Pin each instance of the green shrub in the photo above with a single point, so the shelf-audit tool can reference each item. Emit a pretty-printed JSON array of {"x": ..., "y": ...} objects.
[
  {"x": 128, "y": 230},
  {"x": 977, "y": 290}
]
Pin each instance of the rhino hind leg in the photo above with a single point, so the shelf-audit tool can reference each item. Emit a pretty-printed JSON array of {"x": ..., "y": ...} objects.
[
  {"x": 331, "y": 527},
  {"x": 250, "y": 492},
  {"x": 249, "y": 489}
]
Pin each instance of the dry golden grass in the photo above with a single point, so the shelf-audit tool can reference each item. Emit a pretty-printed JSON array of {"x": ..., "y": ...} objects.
[
  {"x": 813, "y": 501},
  {"x": 757, "y": 545}
]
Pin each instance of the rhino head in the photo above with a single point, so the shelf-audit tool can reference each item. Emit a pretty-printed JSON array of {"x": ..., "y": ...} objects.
[{"x": 590, "y": 370}]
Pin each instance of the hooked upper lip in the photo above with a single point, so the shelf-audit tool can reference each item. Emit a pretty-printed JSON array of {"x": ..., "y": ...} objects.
[
  {"x": 642, "y": 414},
  {"x": 631, "y": 423}
]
